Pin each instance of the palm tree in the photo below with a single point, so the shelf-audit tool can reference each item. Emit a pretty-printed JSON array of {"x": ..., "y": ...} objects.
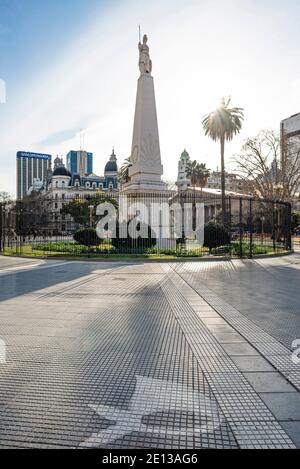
[
  {"x": 198, "y": 174},
  {"x": 203, "y": 175},
  {"x": 192, "y": 172},
  {"x": 221, "y": 125},
  {"x": 124, "y": 171}
]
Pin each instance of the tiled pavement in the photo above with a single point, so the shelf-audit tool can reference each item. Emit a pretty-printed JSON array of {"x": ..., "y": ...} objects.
[{"x": 148, "y": 355}]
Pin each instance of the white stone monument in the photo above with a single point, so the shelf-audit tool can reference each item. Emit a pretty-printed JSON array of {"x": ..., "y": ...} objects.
[{"x": 146, "y": 168}]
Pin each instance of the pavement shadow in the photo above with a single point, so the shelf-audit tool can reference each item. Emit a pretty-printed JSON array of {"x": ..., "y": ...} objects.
[{"x": 18, "y": 283}]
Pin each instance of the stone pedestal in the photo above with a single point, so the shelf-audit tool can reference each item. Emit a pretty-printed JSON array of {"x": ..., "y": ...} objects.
[{"x": 146, "y": 170}]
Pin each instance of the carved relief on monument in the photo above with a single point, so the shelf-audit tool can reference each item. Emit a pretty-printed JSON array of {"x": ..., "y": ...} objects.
[
  {"x": 150, "y": 152},
  {"x": 135, "y": 154}
]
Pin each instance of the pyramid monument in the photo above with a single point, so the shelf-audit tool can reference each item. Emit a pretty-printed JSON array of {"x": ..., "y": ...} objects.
[{"x": 146, "y": 169}]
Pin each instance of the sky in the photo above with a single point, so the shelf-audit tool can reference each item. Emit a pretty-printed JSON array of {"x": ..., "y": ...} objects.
[{"x": 72, "y": 64}]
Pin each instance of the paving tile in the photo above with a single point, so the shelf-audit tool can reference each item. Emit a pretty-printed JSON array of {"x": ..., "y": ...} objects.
[
  {"x": 293, "y": 430},
  {"x": 99, "y": 354},
  {"x": 207, "y": 314},
  {"x": 220, "y": 328},
  {"x": 239, "y": 349},
  {"x": 214, "y": 321},
  {"x": 229, "y": 338},
  {"x": 269, "y": 382},
  {"x": 252, "y": 363},
  {"x": 284, "y": 406}
]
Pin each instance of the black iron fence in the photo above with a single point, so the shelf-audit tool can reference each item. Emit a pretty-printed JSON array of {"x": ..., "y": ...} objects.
[{"x": 149, "y": 224}]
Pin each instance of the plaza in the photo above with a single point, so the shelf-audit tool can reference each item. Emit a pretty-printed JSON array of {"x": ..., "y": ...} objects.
[
  {"x": 150, "y": 354},
  {"x": 155, "y": 306}
]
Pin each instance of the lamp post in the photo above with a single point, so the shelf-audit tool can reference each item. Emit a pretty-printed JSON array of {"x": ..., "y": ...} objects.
[
  {"x": 262, "y": 229},
  {"x": 91, "y": 208},
  {"x": 279, "y": 192}
]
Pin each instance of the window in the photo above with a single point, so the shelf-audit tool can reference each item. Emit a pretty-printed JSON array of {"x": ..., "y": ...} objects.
[
  {"x": 101, "y": 186},
  {"x": 63, "y": 183},
  {"x": 94, "y": 185},
  {"x": 56, "y": 184},
  {"x": 87, "y": 184}
]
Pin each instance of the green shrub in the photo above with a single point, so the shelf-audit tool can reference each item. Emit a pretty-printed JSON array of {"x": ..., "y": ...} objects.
[
  {"x": 87, "y": 237},
  {"x": 72, "y": 248},
  {"x": 221, "y": 250},
  {"x": 215, "y": 235},
  {"x": 134, "y": 245}
]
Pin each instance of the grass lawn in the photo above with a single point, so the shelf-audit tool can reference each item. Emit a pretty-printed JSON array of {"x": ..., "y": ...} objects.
[{"x": 72, "y": 252}]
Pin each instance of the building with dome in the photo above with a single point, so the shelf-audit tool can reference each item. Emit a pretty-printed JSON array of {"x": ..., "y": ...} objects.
[
  {"x": 59, "y": 186},
  {"x": 64, "y": 183},
  {"x": 183, "y": 182}
]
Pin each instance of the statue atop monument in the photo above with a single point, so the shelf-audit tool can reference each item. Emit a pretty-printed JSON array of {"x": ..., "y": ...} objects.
[{"x": 145, "y": 63}]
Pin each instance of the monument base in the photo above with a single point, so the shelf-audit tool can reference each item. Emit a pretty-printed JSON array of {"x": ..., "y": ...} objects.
[{"x": 144, "y": 187}]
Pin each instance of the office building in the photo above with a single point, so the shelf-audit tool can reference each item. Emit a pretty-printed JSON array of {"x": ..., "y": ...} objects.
[
  {"x": 30, "y": 167},
  {"x": 80, "y": 162}
]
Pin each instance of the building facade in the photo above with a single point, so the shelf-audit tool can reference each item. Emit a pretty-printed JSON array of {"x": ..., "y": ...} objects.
[
  {"x": 290, "y": 150},
  {"x": 290, "y": 127},
  {"x": 80, "y": 162},
  {"x": 31, "y": 167},
  {"x": 63, "y": 187},
  {"x": 183, "y": 182},
  {"x": 233, "y": 183}
]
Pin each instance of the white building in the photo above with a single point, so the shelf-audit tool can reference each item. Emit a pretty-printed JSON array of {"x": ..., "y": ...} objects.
[
  {"x": 183, "y": 182},
  {"x": 290, "y": 127},
  {"x": 290, "y": 139}
]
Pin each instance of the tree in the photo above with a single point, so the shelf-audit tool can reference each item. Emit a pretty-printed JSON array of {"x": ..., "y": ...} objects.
[
  {"x": 124, "y": 171},
  {"x": 83, "y": 211},
  {"x": 5, "y": 197},
  {"x": 221, "y": 125},
  {"x": 87, "y": 237},
  {"x": 130, "y": 244},
  {"x": 295, "y": 222},
  {"x": 203, "y": 175},
  {"x": 198, "y": 173},
  {"x": 215, "y": 234},
  {"x": 270, "y": 172}
]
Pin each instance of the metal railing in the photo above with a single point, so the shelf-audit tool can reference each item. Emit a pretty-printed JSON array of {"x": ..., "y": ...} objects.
[{"x": 149, "y": 224}]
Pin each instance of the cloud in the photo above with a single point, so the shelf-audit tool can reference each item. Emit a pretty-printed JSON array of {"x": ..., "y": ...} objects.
[
  {"x": 57, "y": 138},
  {"x": 200, "y": 51}
]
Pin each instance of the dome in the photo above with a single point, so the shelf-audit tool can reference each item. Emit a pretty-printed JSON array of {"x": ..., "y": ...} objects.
[
  {"x": 111, "y": 166},
  {"x": 61, "y": 171},
  {"x": 184, "y": 154}
]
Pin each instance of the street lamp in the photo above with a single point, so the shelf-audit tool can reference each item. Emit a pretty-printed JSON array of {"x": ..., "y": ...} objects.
[
  {"x": 91, "y": 208},
  {"x": 262, "y": 229}
]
